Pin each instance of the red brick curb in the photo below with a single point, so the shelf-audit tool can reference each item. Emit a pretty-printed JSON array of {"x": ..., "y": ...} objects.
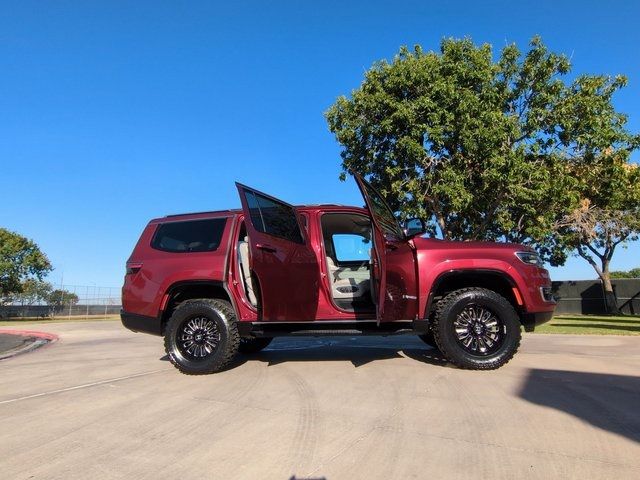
[
  {"x": 32, "y": 333},
  {"x": 40, "y": 339}
]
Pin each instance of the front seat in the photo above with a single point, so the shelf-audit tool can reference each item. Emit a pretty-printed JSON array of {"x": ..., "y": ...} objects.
[
  {"x": 243, "y": 262},
  {"x": 346, "y": 283}
]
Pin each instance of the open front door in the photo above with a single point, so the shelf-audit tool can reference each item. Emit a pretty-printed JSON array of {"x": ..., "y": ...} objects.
[
  {"x": 281, "y": 258},
  {"x": 393, "y": 260}
]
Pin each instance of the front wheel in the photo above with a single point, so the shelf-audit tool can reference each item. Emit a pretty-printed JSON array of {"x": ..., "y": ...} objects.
[
  {"x": 476, "y": 328},
  {"x": 202, "y": 336}
]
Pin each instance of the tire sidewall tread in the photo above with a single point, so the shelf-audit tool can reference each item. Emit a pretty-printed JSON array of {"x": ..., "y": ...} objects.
[
  {"x": 446, "y": 310},
  {"x": 219, "y": 311}
]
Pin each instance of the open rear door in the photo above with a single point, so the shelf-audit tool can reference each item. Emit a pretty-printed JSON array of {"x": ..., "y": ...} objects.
[
  {"x": 282, "y": 259},
  {"x": 393, "y": 273}
]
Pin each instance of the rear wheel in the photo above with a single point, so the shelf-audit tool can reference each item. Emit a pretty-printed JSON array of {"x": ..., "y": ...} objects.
[
  {"x": 476, "y": 328},
  {"x": 253, "y": 345},
  {"x": 202, "y": 336}
]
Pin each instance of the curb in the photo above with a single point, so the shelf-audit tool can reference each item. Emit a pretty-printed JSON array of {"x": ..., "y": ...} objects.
[{"x": 38, "y": 339}]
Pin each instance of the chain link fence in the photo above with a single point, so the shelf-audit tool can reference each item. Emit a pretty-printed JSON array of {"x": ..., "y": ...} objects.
[{"x": 75, "y": 301}]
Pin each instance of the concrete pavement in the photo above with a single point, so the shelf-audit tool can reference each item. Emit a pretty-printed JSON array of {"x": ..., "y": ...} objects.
[{"x": 102, "y": 402}]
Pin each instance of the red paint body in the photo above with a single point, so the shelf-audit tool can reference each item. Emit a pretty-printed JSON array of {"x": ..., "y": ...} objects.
[{"x": 293, "y": 276}]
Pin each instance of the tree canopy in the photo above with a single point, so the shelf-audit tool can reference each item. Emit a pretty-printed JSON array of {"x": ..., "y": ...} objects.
[
  {"x": 61, "y": 297},
  {"x": 33, "y": 291},
  {"x": 20, "y": 260},
  {"x": 633, "y": 273},
  {"x": 482, "y": 148}
]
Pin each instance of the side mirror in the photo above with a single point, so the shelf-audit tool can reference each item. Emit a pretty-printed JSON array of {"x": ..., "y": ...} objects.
[{"x": 414, "y": 226}]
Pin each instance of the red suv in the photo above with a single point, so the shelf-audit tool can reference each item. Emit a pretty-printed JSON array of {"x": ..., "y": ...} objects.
[{"x": 218, "y": 283}]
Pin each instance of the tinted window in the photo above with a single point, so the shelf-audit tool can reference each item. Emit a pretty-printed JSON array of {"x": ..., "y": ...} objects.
[
  {"x": 349, "y": 247},
  {"x": 189, "y": 236},
  {"x": 273, "y": 217},
  {"x": 382, "y": 213}
]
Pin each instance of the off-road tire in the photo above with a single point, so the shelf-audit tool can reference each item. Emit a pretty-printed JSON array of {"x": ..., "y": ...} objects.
[
  {"x": 253, "y": 345},
  {"x": 222, "y": 315},
  {"x": 445, "y": 336}
]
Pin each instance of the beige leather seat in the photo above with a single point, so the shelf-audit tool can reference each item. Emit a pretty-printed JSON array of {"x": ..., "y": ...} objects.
[
  {"x": 243, "y": 263},
  {"x": 346, "y": 282}
]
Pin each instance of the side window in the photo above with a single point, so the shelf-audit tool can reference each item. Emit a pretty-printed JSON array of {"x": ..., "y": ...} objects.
[
  {"x": 382, "y": 213},
  {"x": 273, "y": 217},
  {"x": 189, "y": 236},
  {"x": 350, "y": 247}
]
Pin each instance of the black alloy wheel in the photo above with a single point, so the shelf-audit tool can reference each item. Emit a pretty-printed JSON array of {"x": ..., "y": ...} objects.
[
  {"x": 479, "y": 331},
  {"x": 202, "y": 336},
  {"x": 198, "y": 337}
]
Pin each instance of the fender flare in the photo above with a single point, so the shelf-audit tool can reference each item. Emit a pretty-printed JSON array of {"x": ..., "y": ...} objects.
[
  {"x": 460, "y": 271},
  {"x": 169, "y": 292}
]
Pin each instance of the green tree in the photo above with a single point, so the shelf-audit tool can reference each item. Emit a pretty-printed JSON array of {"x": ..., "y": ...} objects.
[
  {"x": 608, "y": 216},
  {"x": 481, "y": 148},
  {"x": 20, "y": 260},
  {"x": 59, "y": 298},
  {"x": 33, "y": 291},
  {"x": 633, "y": 273}
]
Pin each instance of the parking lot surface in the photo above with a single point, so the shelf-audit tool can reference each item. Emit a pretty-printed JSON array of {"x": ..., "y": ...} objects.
[{"x": 103, "y": 402}]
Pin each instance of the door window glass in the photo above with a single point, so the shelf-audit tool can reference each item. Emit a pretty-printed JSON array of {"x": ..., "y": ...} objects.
[
  {"x": 273, "y": 217},
  {"x": 382, "y": 213},
  {"x": 350, "y": 247}
]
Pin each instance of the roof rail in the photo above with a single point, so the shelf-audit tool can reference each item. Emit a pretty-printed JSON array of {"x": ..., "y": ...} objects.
[{"x": 200, "y": 213}]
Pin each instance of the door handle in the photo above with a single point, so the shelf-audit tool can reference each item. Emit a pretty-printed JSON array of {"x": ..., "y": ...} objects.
[
  {"x": 390, "y": 245},
  {"x": 266, "y": 248}
]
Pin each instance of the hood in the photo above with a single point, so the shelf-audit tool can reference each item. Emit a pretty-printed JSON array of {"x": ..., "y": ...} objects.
[{"x": 436, "y": 243}]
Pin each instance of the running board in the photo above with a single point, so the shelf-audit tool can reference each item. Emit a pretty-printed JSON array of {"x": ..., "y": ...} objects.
[{"x": 319, "y": 329}]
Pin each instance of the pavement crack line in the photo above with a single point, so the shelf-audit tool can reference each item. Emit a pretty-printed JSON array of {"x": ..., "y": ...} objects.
[
  {"x": 78, "y": 387},
  {"x": 351, "y": 444}
]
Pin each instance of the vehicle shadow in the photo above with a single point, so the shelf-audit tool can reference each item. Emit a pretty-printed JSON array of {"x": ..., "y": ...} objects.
[
  {"x": 357, "y": 354},
  {"x": 609, "y": 402}
]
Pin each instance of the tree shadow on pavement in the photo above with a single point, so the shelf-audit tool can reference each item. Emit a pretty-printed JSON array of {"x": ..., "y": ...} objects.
[{"x": 609, "y": 402}]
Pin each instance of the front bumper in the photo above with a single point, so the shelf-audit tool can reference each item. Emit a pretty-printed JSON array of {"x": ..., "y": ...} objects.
[
  {"x": 531, "y": 320},
  {"x": 141, "y": 323}
]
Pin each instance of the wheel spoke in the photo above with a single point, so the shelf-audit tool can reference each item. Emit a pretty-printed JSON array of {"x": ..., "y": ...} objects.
[
  {"x": 478, "y": 330},
  {"x": 198, "y": 338}
]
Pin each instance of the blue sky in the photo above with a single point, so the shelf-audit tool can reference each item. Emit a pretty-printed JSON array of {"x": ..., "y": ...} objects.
[{"x": 112, "y": 113}]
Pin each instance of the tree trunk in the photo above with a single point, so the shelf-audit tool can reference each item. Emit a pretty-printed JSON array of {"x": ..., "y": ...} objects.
[
  {"x": 610, "y": 300},
  {"x": 442, "y": 225}
]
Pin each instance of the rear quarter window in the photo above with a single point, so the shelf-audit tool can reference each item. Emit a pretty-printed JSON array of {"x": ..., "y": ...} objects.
[{"x": 189, "y": 236}]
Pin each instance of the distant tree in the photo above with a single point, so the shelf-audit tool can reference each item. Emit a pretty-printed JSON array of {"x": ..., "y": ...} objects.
[
  {"x": 33, "y": 291},
  {"x": 20, "y": 260},
  {"x": 59, "y": 298},
  {"x": 633, "y": 273},
  {"x": 608, "y": 216},
  {"x": 482, "y": 148}
]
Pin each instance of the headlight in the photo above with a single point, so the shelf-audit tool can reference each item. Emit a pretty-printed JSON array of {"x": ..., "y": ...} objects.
[{"x": 531, "y": 258}]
